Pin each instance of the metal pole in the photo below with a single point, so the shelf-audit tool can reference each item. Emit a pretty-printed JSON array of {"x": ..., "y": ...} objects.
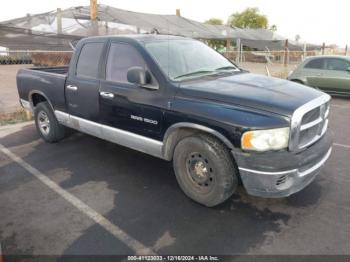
[
  {"x": 59, "y": 20},
  {"x": 238, "y": 56},
  {"x": 241, "y": 53},
  {"x": 285, "y": 62},
  {"x": 323, "y": 48}
]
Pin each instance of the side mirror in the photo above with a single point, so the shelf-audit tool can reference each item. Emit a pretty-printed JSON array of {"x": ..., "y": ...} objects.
[{"x": 138, "y": 75}]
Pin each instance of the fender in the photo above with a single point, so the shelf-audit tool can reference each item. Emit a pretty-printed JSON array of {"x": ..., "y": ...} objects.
[
  {"x": 170, "y": 137},
  {"x": 33, "y": 92}
]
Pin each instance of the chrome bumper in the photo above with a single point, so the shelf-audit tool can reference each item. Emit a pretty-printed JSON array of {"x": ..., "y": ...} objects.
[
  {"x": 280, "y": 174},
  {"x": 280, "y": 184}
]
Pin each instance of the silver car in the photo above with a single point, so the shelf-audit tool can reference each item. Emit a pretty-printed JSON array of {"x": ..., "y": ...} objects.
[{"x": 328, "y": 73}]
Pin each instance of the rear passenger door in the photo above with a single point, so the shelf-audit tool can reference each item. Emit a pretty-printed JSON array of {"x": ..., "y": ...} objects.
[
  {"x": 82, "y": 85},
  {"x": 124, "y": 105}
]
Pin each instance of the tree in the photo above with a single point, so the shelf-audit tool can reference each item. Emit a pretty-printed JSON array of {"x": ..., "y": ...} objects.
[
  {"x": 297, "y": 38},
  {"x": 249, "y": 18},
  {"x": 214, "y": 21},
  {"x": 216, "y": 44}
]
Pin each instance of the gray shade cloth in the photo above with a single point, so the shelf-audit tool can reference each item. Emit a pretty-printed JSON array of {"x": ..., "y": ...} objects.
[{"x": 41, "y": 31}]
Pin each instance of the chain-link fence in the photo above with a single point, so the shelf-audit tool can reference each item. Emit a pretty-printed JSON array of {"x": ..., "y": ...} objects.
[
  {"x": 274, "y": 63},
  {"x": 37, "y": 58},
  {"x": 59, "y": 58},
  {"x": 279, "y": 57}
]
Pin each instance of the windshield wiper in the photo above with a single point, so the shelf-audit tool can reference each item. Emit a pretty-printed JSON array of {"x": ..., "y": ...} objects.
[
  {"x": 195, "y": 73},
  {"x": 226, "y": 68}
]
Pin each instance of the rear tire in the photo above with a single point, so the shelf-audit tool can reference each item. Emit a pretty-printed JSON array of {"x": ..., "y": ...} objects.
[
  {"x": 47, "y": 124},
  {"x": 204, "y": 169}
]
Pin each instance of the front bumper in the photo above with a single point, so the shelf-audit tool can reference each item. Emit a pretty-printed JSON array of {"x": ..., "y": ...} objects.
[{"x": 280, "y": 174}]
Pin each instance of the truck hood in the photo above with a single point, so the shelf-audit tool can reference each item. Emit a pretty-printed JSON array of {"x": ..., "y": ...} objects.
[{"x": 251, "y": 90}]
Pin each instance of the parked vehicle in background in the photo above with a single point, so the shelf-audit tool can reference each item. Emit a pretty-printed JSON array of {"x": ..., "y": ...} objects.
[
  {"x": 177, "y": 99},
  {"x": 328, "y": 73}
]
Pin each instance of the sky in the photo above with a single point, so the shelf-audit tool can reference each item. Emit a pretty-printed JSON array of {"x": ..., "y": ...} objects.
[{"x": 315, "y": 21}]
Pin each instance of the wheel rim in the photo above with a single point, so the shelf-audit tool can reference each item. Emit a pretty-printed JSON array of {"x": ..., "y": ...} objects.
[
  {"x": 200, "y": 172},
  {"x": 44, "y": 123}
]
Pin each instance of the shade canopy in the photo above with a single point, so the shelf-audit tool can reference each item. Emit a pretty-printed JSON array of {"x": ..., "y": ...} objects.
[{"x": 57, "y": 29}]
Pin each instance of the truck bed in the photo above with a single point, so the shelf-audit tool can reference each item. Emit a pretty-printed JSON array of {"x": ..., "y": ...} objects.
[
  {"x": 48, "y": 81},
  {"x": 62, "y": 70}
]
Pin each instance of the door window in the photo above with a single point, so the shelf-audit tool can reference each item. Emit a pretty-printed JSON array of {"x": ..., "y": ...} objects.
[
  {"x": 121, "y": 58},
  {"x": 317, "y": 63},
  {"x": 337, "y": 64},
  {"x": 88, "y": 62}
]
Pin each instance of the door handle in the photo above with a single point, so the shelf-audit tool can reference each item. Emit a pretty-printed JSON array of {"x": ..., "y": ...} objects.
[
  {"x": 106, "y": 94},
  {"x": 71, "y": 87}
]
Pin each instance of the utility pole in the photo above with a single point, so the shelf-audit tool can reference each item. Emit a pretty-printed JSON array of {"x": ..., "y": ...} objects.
[
  {"x": 346, "y": 50},
  {"x": 93, "y": 17}
]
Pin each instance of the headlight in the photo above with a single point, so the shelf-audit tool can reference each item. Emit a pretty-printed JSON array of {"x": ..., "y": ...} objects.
[{"x": 264, "y": 140}]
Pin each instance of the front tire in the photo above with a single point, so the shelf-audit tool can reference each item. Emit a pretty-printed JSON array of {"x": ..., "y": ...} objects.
[
  {"x": 47, "y": 124},
  {"x": 204, "y": 169}
]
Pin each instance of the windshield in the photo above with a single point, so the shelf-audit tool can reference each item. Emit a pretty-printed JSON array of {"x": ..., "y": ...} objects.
[{"x": 181, "y": 59}]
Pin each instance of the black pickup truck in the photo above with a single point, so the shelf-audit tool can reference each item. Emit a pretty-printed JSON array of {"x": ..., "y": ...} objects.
[{"x": 177, "y": 99}]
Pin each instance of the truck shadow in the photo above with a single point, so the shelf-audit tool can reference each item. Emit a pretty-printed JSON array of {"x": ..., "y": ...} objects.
[{"x": 149, "y": 205}]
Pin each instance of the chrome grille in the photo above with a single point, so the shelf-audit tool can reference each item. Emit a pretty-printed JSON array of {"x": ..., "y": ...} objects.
[
  {"x": 311, "y": 116},
  {"x": 309, "y": 123}
]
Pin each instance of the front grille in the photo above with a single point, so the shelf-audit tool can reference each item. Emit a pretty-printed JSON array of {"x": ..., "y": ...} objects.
[
  {"x": 310, "y": 123},
  {"x": 311, "y": 116}
]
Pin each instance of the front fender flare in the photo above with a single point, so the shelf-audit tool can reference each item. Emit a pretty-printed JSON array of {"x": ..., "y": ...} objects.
[{"x": 171, "y": 136}]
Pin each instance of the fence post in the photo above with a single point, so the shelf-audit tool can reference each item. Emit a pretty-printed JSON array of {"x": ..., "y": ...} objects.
[
  {"x": 228, "y": 44},
  {"x": 285, "y": 62},
  {"x": 29, "y": 19},
  {"x": 238, "y": 56},
  {"x": 59, "y": 20},
  {"x": 241, "y": 53},
  {"x": 323, "y": 48}
]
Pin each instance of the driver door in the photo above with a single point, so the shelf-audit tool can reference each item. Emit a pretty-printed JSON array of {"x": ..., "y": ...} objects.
[{"x": 125, "y": 105}]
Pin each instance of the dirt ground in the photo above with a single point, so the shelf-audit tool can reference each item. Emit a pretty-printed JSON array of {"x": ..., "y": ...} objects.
[
  {"x": 8, "y": 91},
  {"x": 9, "y": 100},
  {"x": 276, "y": 70}
]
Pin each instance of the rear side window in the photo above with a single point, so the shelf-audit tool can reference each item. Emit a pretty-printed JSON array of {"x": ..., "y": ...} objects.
[
  {"x": 120, "y": 58},
  {"x": 315, "y": 64},
  {"x": 337, "y": 64},
  {"x": 88, "y": 61}
]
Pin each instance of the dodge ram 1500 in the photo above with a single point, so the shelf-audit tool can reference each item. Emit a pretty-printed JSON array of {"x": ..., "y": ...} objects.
[{"x": 177, "y": 99}]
